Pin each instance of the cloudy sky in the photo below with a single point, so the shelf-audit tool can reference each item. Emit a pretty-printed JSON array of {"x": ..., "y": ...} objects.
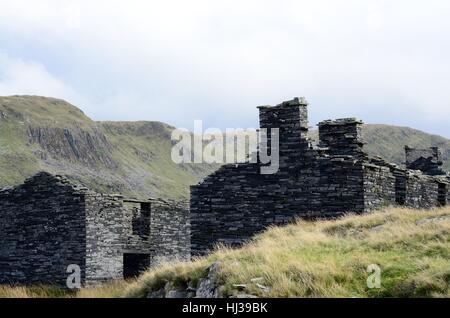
[{"x": 177, "y": 61}]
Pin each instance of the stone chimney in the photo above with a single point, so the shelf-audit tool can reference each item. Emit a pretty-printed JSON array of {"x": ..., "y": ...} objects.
[
  {"x": 291, "y": 118},
  {"x": 342, "y": 137}
]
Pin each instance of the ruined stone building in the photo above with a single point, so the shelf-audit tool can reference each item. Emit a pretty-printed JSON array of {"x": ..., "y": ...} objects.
[
  {"x": 47, "y": 224},
  {"x": 330, "y": 179}
]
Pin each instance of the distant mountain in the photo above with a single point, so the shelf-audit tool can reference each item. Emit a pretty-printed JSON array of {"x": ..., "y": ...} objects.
[{"x": 133, "y": 158}]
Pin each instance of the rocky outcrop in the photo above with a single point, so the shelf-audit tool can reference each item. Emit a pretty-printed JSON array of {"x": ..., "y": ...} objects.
[
  {"x": 77, "y": 145},
  {"x": 207, "y": 287},
  {"x": 210, "y": 286}
]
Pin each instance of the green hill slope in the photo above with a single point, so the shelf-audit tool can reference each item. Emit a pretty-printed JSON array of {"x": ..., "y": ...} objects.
[{"x": 133, "y": 158}]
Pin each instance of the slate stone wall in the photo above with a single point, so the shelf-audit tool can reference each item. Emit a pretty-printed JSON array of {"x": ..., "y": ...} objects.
[
  {"x": 447, "y": 180},
  {"x": 448, "y": 190},
  {"x": 169, "y": 231},
  {"x": 400, "y": 186},
  {"x": 336, "y": 177},
  {"x": 237, "y": 201},
  {"x": 379, "y": 187},
  {"x": 442, "y": 193},
  {"x": 291, "y": 118},
  {"x": 104, "y": 237},
  {"x": 342, "y": 137},
  {"x": 428, "y": 160},
  {"x": 47, "y": 224},
  {"x": 168, "y": 228},
  {"x": 338, "y": 190},
  {"x": 42, "y": 231},
  {"x": 421, "y": 191}
]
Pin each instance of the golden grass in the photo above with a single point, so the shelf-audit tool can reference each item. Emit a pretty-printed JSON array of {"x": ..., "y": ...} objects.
[
  {"x": 31, "y": 292},
  {"x": 108, "y": 290},
  {"x": 330, "y": 259},
  {"x": 312, "y": 259}
]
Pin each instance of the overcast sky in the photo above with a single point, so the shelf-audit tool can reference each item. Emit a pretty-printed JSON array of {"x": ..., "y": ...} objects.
[{"x": 177, "y": 61}]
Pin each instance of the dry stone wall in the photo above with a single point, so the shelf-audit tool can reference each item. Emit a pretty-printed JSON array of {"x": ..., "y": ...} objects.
[
  {"x": 422, "y": 191},
  {"x": 42, "y": 231},
  {"x": 169, "y": 231},
  {"x": 428, "y": 160},
  {"x": 104, "y": 237},
  {"x": 379, "y": 187},
  {"x": 447, "y": 190},
  {"x": 336, "y": 177},
  {"x": 47, "y": 224}
]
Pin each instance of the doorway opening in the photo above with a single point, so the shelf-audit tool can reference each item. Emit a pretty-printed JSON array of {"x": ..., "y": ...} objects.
[{"x": 134, "y": 264}]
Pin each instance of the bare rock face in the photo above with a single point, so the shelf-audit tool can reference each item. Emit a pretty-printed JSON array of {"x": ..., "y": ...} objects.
[
  {"x": 88, "y": 147},
  {"x": 209, "y": 287},
  {"x": 244, "y": 296},
  {"x": 442, "y": 218},
  {"x": 176, "y": 294},
  {"x": 160, "y": 293}
]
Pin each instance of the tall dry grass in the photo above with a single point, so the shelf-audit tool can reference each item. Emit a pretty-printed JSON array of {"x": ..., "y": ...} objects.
[
  {"x": 112, "y": 289},
  {"x": 330, "y": 259}
]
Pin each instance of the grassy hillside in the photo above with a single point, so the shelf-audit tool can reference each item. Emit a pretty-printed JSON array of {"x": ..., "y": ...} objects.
[
  {"x": 311, "y": 259},
  {"x": 328, "y": 259},
  {"x": 133, "y": 158}
]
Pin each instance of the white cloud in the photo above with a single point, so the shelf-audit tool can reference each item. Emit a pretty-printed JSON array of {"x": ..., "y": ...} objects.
[
  {"x": 22, "y": 77},
  {"x": 177, "y": 61}
]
